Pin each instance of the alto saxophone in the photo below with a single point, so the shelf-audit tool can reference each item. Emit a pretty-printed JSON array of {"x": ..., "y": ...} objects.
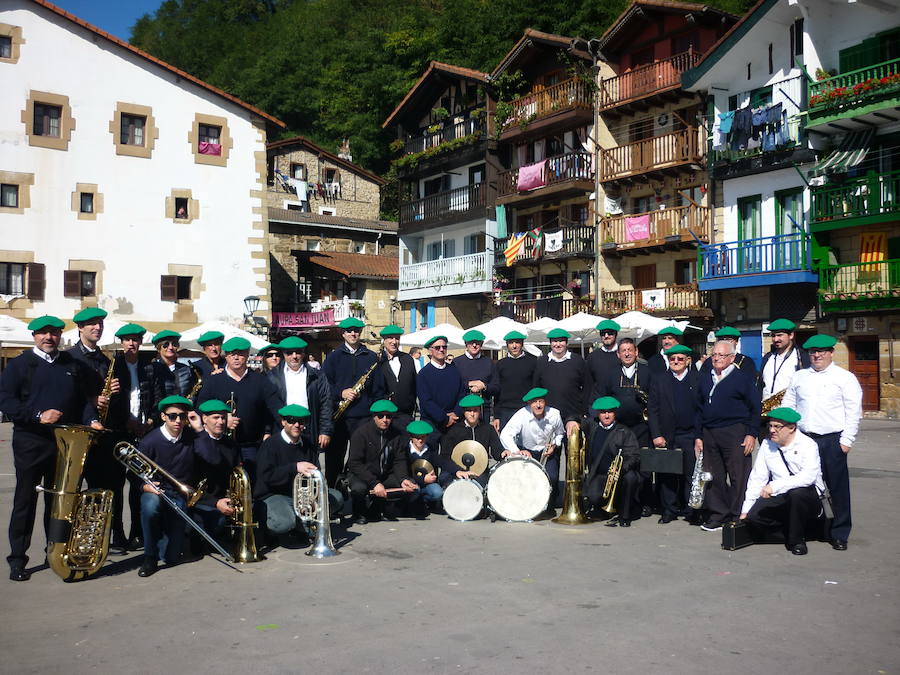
[
  {"x": 698, "y": 483},
  {"x": 357, "y": 388},
  {"x": 311, "y": 507},
  {"x": 239, "y": 493},
  {"x": 573, "y": 509},
  {"x": 769, "y": 404},
  {"x": 192, "y": 395},
  {"x": 612, "y": 483},
  {"x": 106, "y": 391}
]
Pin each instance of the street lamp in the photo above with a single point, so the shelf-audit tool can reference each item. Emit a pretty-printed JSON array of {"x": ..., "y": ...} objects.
[
  {"x": 251, "y": 304},
  {"x": 257, "y": 324}
]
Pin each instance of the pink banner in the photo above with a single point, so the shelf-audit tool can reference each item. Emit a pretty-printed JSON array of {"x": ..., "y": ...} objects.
[
  {"x": 637, "y": 228},
  {"x": 531, "y": 176},
  {"x": 209, "y": 148},
  {"x": 303, "y": 319}
]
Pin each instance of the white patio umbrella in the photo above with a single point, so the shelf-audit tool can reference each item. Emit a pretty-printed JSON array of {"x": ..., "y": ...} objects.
[
  {"x": 582, "y": 326},
  {"x": 189, "y": 337},
  {"x": 110, "y": 326},
  {"x": 538, "y": 329},
  {"x": 639, "y": 326},
  {"x": 14, "y": 332},
  {"x": 420, "y": 337},
  {"x": 495, "y": 329}
]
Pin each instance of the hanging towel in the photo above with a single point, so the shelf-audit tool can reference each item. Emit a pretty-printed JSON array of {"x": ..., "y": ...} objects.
[
  {"x": 637, "y": 228},
  {"x": 531, "y": 176},
  {"x": 501, "y": 221},
  {"x": 726, "y": 119}
]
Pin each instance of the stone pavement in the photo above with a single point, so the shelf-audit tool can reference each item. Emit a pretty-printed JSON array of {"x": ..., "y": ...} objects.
[{"x": 440, "y": 596}]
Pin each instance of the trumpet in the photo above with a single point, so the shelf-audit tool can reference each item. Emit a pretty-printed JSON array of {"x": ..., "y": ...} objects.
[
  {"x": 229, "y": 433},
  {"x": 612, "y": 482}
]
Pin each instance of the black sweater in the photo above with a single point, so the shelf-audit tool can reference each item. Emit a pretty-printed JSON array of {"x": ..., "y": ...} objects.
[
  {"x": 255, "y": 398},
  {"x": 516, "y": 376},
  {"x": 214, "y": 459},
  {"x": 568, "y": 383},
  {"x": 177, "y": 458},
  {"x": 600, "y": 364},
  {"x": 276, "y": 465}
]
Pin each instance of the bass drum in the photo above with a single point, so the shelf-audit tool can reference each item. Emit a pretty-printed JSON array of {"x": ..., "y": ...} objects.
[
  {"x": 464, "y": 499},
  {"x": 518, "y": 489}
]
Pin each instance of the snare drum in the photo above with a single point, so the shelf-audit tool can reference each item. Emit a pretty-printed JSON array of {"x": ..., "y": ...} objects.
[
  {"x": 464, "y": 499},
  {"x": 518, "y": 489}
]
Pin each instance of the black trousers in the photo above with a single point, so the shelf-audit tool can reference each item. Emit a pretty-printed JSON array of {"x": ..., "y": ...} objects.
[
  {"x": 365, "y": 504},
  {"x": 837, "y": 477},
  {"x": 724, "y": 458},
  {"x": 627, "y": 501},
  {"x": 336, "y": 453},
  {"x": 34, "y": 456},
  {"x": 786, "y": 514},
  {"x": 102, "y": 470},
  {"x": 675, "y": 489},
  {"x": 504, "y": 415}
]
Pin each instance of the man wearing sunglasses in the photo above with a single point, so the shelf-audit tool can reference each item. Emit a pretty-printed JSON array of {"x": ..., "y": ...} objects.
[
  {"x": 668, "y": 337},
  {"x": 344, "y": 367},
  {"x": 670, "y": 408},
  {"x": 440, "y": 387},
  {"x": 395, "y": 377},
  {"x": 604, "y": 358},
  {"x": 166, "y": 375},
  {"x": 212, "y": 361}
]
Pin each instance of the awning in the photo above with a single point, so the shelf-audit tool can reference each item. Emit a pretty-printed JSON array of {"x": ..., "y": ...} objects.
[{"x": 850, "y": 152}]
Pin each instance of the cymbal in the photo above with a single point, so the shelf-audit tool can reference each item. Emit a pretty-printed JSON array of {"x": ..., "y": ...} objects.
[
  {"x": 470, "y": 456},
  {"x": 421, "y": 468}
]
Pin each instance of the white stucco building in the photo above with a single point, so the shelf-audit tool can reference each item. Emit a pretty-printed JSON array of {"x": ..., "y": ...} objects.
[{"x": 126, "y": 183}]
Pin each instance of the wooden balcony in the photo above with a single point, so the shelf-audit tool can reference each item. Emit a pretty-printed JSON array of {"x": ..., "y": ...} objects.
[
  {"x": 866, "y": 200},
  {"x": 763, "y": 261},
  {"x": 557, "y": 308},
  {"x": 452, "y": 205},
  {"x": 565, "y": 103},
  {"x": 577, "y": 241},
  {"x": 855, "y": 93},
  {"x": 573, "y": 170},
  {"x": 658, "y": 230},
  {"x": 680, "y": 300},
  {"x": 651, "y": 155},
  {"x": 860, "y": 286},
  {"x": 447, "y": 131},
  {"x": 645, "y": 81}
]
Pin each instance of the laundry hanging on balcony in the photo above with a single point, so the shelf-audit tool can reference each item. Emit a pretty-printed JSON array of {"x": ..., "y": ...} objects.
[
  {"x": 851, "y": 151},
  {"x": 516, "y": 243},
  {"x": 501, "y": 221},
  {"x": 637, "y": 228},
  {"x": 532, "y": 176}
]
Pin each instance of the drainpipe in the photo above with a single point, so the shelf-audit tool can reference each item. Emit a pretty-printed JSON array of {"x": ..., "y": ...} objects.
[{"x": 377, "y": 241}]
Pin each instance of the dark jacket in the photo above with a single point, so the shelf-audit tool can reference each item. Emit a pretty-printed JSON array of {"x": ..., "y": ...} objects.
[
  {"x": 120, "y": 405},
  {"x": 344, "y": 370},
  {"x": 276, "y": 465},
  {"x": 162, "y": 382},
  {"x": 483, "y": 433},
  {"x": 401, "y": 390},
  {"x": 662, "y": 407},
  {"x": 620, "y": 437},
  {"x": 214, "y": 460},
  {"x": 205, "y": 367},
  {"x": 255, "y": 399},
  {"x": 599, "y": 364},
  {"x": 366, "y": 459},
  {"x": 97, "y": 365},
  {"x": 568, "y": 384},
  {"x": 405, "y": 454},
  {"x": 631, "y": 412},
  {"x": 318, "y": 394}
]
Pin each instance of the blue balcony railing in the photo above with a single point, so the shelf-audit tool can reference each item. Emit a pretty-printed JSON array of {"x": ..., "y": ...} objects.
[{"x": 755, "y": 261}]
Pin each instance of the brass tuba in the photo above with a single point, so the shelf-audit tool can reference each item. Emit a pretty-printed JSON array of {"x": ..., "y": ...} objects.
[
  {"x": 612, "y": 482},
  {"x": 78, "y": 532},
  {"x": 573, "y": 509},
  {"x": 311, "y": 507},
  {"x": 242, "y": 520}
]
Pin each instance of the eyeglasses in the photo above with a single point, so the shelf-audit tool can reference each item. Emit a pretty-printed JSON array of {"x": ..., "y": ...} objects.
[
  {"x": 292, "y": 351},
  {"x": 677, "y": 358},
  {"x": 293, "y": 420},
  {"x": 774, "y": 426},
  {"x": 819, "y": 350},
  {"x": 353, "y": 330},
  {"x": 169, "y": 343},
  {"x": 604, "y": 333},
  {"x": 383, "y": 416},
  {"x": 271, "y": 355},
  {"x": 176, "y": 416},
  {"x": 717, "y": 355},
  {"x": 439, "y": 348}
]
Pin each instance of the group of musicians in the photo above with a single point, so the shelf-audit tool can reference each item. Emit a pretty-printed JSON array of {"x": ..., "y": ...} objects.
[{"x": 387, "y": 431}]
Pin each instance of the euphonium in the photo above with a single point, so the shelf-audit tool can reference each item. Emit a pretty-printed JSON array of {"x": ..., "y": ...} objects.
[
  {"x": 78, "y": 533},
  {"x": 612, "y": 483},
  {"x": 311, "y": 507},
  {"x": 769, "y": 404},
  {"x": 698, "y": 483},
  {"x": 242, "y": 519},
  {"x": 573, "y": 510}
]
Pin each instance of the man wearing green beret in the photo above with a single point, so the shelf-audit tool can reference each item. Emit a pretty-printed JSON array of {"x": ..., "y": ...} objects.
[
  {"x": 478, "y": 372},
  {"x": 565, "y": 376},
  {"x": 395, "y": 377},
  {"x": 741, "y": 362},
  {"x": 345, "y": 367},
  {"x": 668, "y": 337},
  {"x": 439, "y": 387},
  {"x": 472, "y": 428},
  {"x": 515, "y": 373},
  {"x": 783, "y": 491},
  {"x": 604, "y": 358},
  {"x": 40, "y": 387},
  {"x": 212, "y": 360},
  {"x": 166, "y": 375},
  {"x": 783, "y": 360},
  {"x": 829, "y": 400},
  {"x": 90, "y": 329},
  {"x": 418, "y": 444}
]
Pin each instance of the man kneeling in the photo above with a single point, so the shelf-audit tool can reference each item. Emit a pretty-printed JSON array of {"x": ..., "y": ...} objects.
[{"x": 784, "y": 486}]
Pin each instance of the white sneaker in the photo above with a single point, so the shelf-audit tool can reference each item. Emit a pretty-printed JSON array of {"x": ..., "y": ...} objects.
[{"x": 710, "y": 528}]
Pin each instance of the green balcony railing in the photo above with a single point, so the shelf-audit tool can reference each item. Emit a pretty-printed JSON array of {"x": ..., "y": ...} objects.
[
  {"x": 871, "y": 195},
  {"x": 854, "y": 88},
  {"x": 860, "y": 286}
]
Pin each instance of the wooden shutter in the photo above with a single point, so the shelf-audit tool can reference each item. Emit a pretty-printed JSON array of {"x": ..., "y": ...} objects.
[
  {"x": 72, "y": 283},
  {"x": 36, "y": 280},
  {"x": 168, "y": 287}
]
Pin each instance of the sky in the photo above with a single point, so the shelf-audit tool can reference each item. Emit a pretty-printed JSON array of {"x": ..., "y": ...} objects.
[{"x": 113, "y": 16}]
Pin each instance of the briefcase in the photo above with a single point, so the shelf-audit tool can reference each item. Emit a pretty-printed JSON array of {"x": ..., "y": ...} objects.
[
  {"x": 662, "y": 460},
  {"x": 736, "y": 534}
]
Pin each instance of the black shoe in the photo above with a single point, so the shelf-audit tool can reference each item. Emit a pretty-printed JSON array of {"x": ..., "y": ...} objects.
[
  {"x": 118, "y": 549},
  {"x": 665, "y": 518},
  {"x": 18, "y": 573},
  {"x": 839, "y": 544},
  {"x": 711, "y": 526},
  {"x": 799, "y": 549},
  {"x": 624, "y": 523},
  {"x": 148, "y": 568},
  {"x": 360, "y": 520},
  {"x": 136, "y": 543},
  {"x": 612, "y": 522}
]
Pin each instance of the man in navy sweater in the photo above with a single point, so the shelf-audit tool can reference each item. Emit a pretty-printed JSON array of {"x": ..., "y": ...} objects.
[
  {"x": 515, "y": 371},
  {"x": 39, "y": 388},
  {"x": 727, "y": 420},
  {"x": 440, "y": 387},
  {"x": 478, "y": 372}
]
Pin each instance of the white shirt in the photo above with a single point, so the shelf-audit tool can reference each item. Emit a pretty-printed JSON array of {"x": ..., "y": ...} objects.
[
  {"x": 802, "y": 456},
  {"x": 287, "y": 439},
  {"x": 134, "y": 394},
  {"x": 629, "y": 371},
  {"x": 394, "y": 363},
  {"x": 718, "y": 378},
  {"x": 473, "y": 357},
  {"x": 45, "y": 355},
  {"x": 295, "y": 386},
  {"x": 778, "y": 373},
  {"x": 828, "y": 401},
  {"x": 679, "y": 377},
  {"x": 439, "y": 366},
  {"x": 662, "y": 353},
  {"x": 233, "y": 375},
  {"x": 413, "y": 450},
  {"x": 552, "y": 357},
  {"x": 612, "y": 349},
  {"x": 169, "y": 437},
  {"x": 524, "y": 430}
]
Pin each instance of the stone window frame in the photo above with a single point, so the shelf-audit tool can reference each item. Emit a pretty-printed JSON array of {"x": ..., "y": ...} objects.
[
  {"x": 193, "y": 206},
  {"x": 89, "y": 188},
  {"x": 24, "y": 181},
  {"x": 184, "y": 309},
  {"x": 95, "y": 266},
  {"x": 151, "y": 132},
  {"x": 16, "y": 42},
  {"x": 225, "y": 140},
  {"x": 66, "y": 121}
]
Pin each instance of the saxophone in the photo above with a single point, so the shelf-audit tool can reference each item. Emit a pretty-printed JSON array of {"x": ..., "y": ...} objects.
[
  {"x": 698, "y": 483},
  {"x": 242, "y": 520},
  {"x": 192, "y": 395},
  {"x": 78, "y": 531},
  {"x": 770, "y": 403},
  {"x": 612, "y": 482},
  {"x": 311, "y": 507},
  {"x": 358, "y": 387},
  {"x": 107, "y": 389},
  {"x": 573, "y": 509}
]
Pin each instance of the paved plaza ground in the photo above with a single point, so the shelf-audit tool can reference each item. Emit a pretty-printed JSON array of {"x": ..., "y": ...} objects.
[{"x": 439, "y": 596}]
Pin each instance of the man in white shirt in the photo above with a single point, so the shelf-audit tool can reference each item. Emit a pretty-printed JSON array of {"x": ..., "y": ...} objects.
[
  {"x": 829, "y": 400},
  {"x": 785, "y": 483},
  {"x": 784, "y": 359}
]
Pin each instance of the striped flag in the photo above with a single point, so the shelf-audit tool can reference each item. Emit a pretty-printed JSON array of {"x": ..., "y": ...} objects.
[
  {"x": 516, "y": 242},
  {"x": 872, "y": 249},
  {"x": 537, "y": 241}
]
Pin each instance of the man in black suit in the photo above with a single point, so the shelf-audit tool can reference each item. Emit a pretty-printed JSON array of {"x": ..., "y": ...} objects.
[
  {"x": 605, "y": 356},
  {"x": 671, "y": 407},
  {"x": 395, "y": 377},
  {"x": 668, "y": 337},
  {"x": 628, "y": 383}
]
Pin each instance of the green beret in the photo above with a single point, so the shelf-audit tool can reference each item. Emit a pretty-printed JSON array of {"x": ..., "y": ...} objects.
[
  {"x": 270, "y": 348},
  {"x": 609, "y": 324},
  {"x": 513, "y": 335},
  {"x": 382, "y": 406},
  {"x": 820, "y": 342},
  {"x": 558, "y": 333},
  {"x": 419, "y": 428},
  {"x": 679, "y": 349},
  {"x": 782, "y": 325},
  {"x": 235, "y": 344},
  {"x": 351, "y": 322},
  {"x": 728, "y": 332},
  {"x": 537, "y": 392},
  {"x": 293, "y": 410},
  {"x": 209, "y": 336},
  {"x": 131, "y": 329},
  {"x": 89, "y": 314},
  {"x": 175, "y": 400},
  {"x": 431, "y": 341},
  {"x": 606, "y": 403},
  {"x": 671, "y": 330},
  {"x": 45, "y": 321},
  {"x": 473, "y": 336},
  {"x": 292, "y": 342},
  {"x": 471, "y": 401},
  {"x": 165, "y": 335},
  {"x": 213, "y": 406},
  {"x": 389, "y": 331},
  {"x": 788, "y": 415}
]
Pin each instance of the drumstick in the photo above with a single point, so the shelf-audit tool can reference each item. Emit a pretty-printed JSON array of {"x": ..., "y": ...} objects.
[{"x": 400, "y": 489}]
